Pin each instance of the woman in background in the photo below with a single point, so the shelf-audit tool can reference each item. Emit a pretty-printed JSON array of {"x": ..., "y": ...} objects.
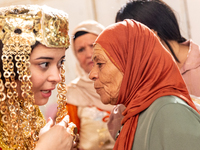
[
  {"x": 84, "y": 105},
  {"x": 160, "y": 18}
]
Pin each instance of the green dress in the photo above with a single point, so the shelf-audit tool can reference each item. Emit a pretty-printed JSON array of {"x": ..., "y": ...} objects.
[{"x": 168, "y": 124}]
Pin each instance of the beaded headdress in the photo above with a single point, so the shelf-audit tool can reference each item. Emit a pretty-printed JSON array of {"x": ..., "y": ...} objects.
[{"x": 20, "y": 27}]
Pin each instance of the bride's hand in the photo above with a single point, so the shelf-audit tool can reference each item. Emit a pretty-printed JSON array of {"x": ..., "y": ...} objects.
[
  {"x": 56, "y": 137},
  {"x": 46, "y": 127}
]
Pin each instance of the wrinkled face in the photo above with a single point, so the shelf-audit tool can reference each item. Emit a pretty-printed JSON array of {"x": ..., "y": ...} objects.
[
  {"x": 106, "y": 76},
  {"x": 83, "y": 46},
  {"x": 45, "y": 70}
]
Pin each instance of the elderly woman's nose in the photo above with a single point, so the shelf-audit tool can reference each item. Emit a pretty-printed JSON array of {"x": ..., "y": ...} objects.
[{"x": 93, "y": 75}]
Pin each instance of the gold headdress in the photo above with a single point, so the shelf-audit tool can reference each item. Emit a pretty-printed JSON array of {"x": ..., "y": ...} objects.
[{"x": 20, "y": 27}]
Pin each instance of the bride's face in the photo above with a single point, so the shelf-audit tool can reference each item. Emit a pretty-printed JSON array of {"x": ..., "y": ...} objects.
[{"x": 45, "y": 71}]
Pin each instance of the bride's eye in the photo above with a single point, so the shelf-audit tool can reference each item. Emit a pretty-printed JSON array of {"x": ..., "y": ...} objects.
[
  {"x": 44, "y": 65},
  {"x": 61, "y": 63}
]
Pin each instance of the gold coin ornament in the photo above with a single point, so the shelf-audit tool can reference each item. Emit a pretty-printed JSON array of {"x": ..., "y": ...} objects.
[{"x": 20, "y": 27}]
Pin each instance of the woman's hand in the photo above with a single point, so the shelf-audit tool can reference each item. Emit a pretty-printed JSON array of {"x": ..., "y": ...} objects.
[{"x": 56, "y": 137}]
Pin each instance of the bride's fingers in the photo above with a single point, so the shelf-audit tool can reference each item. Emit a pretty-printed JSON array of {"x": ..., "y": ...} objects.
[
  {"x": 49, "y": 122},
  {"x": 72, "y": 129},
  {"x": 47, "y": 126},
  {"x": 64, "y": 121}
]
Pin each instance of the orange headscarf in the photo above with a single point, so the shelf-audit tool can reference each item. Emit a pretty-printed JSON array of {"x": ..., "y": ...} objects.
[{"x": 149, "y": 72}]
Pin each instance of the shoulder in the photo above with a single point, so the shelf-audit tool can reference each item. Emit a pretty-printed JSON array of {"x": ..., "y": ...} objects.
[
  {"x": 170, "y": 106},
  {"x": 167, "y": 106},
  {"x": 174, "y": 114},
  {"x": 175, "y": 126},
  {"x": 194, "y": 45},
  {"x": 75, "y": 94},
  {"x": 166, "y": 119},
  {"x": 73, "y": 83}
]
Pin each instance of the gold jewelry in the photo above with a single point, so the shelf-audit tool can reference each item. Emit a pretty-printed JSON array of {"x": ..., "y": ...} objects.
[
  {"x": 73, "y": 130},
  {"x": 20, "y": 27},
  {"x": 62, "y": 101}
]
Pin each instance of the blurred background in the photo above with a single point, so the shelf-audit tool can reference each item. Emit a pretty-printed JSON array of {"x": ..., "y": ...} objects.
[{"x": 104, "y": 11}]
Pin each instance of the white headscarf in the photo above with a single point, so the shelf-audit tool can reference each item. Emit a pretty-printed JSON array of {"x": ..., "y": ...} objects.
[{"x": 81, "y": 91}]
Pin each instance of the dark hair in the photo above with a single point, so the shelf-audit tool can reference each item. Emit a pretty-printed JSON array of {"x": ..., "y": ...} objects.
[
  {"x": 15, "y": 69},
  {"x": 33, "y": 46},
  {"x": 79, "y": 33},
  {"x": 156, "y": 15}
]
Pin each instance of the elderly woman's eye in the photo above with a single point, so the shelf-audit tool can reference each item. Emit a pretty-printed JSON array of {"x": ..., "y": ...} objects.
[{"x": 99, "y": 65}]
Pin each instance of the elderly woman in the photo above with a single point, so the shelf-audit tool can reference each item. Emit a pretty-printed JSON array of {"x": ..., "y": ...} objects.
[{"x": 131, "y": 67}]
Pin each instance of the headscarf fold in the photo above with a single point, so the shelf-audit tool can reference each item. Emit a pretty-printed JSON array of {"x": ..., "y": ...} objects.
[{"x": 149, "y": 71}]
